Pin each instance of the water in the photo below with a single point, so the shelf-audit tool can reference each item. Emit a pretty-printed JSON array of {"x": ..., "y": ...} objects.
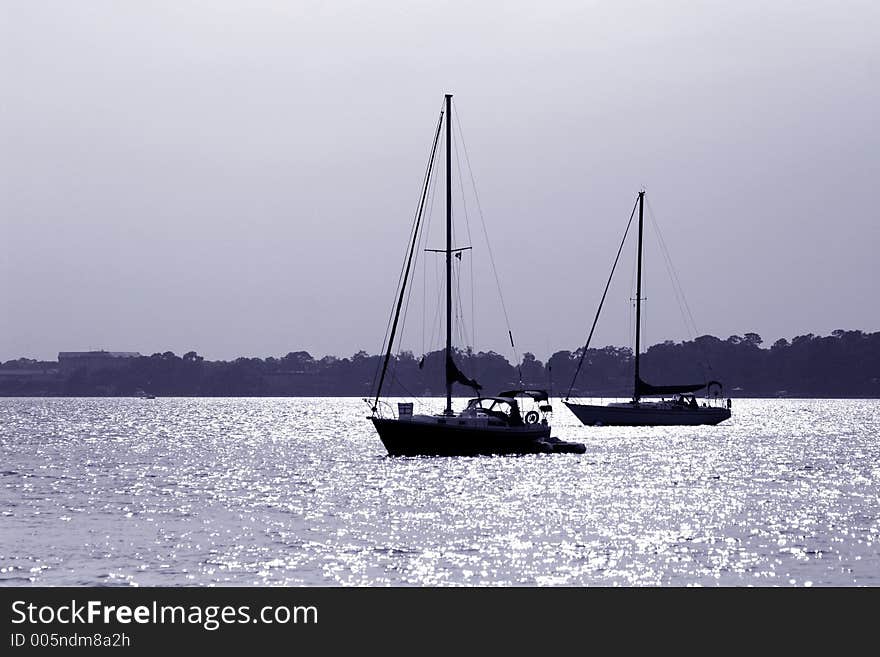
[{"x": 300, "y": 492}]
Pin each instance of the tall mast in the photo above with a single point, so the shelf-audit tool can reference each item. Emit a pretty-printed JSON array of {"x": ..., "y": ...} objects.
[
  {"x": 448, "y": 250},
  {"x": 639, "y": 297}
]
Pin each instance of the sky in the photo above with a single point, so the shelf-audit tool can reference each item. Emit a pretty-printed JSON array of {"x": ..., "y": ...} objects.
[{"x": 240, "y": 178}]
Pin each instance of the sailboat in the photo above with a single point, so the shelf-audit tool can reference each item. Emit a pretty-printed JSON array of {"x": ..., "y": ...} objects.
[
  {"x": 487, "y": 425},
  {"x": 682, "y": 407}
]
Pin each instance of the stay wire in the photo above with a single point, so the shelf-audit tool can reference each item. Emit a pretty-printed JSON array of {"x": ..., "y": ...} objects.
[
  {"x": 408, "y": 260},
  {"x": 678, "y": 289},
  {"x": 425, "y": 219},
  {"x": 413, "y": 228},
  {"x": 421, "y": 240},
  {"x": 602, "y": 301},
  {"x": 435, "y": 323},
  {"x": 467, "y": 224},
  {"x": 488, "y": 243}
]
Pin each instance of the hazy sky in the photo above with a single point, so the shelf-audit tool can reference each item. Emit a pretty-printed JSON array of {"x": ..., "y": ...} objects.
[{"x": 239, "y": 178}]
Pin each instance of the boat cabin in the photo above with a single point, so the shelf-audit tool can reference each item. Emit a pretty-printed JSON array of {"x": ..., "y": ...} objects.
[{"x": 506, "y": 410}]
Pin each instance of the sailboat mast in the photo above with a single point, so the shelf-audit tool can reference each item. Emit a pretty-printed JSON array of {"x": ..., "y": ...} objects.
[
  {"x": 448, "y": 250},
  {"x": 639, "y": 298}
]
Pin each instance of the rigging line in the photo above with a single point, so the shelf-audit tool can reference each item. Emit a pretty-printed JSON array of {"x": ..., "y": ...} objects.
[
  {"x": 456, "y": 276},
  {"x": 396, "y": 379},
  {"x": 467, "y": 225},
  {"x": 418, "y": 219},
  {"x": 436, "y": 280},
  {"x": 669, "y": 269},
  {"x": 426, "y": 231},
  {"x": 406, "y": 309},
  {"x": 419, "y": 208},
  {"x": 485, "y": 232},
  {"x": 680, "y": 291},
  {"x": 674, "y": 274},
  {"x": 643, "y": 301},
  {"x": 473, "y": 302},
  {"x": 395, "y": 363},
  {"x": 397, "y": 290},
  {"x": 630, "y": 326},
  {"x": 462, "y": 329},
  {"x": 413, "y": 228},
  {"x": 421, "y": 241},
  {"x": 461, "y": 326},
  {"x": 462, "y": 337},
  {"x": 435, "y": 322},
  {"x": 602, "y": 301},
  {"x": 473, "y": 311},
  {"x": 440, "y": 303},
  {"x": 461, "y": 319},
  {"x": 439, "y": 280},
  {"x": 426, "y": 236},
  {"x": 423, "y": 237},
  {"x": 679, "y": 295},
  {"x": 409, "y": 292}
]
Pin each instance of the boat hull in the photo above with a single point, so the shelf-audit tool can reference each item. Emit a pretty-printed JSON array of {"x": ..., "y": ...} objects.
[
  {"x": 646, "y": 416},
  {"x": 410, "y": 438}
]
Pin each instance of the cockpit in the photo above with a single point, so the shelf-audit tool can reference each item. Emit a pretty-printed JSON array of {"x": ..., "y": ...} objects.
[{"x": 505, "y": 408}]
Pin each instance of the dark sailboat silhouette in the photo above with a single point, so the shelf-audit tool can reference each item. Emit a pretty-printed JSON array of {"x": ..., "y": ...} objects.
[
  {"x": 681, "y": 409},
  {"x": 487, "y": 425}
]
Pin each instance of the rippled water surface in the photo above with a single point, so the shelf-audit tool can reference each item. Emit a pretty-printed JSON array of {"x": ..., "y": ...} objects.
[{"x": 300, "y": 492}]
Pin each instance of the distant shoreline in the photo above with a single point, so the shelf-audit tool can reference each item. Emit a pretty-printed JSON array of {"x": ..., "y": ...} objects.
[{"x": 844, "y": 365}]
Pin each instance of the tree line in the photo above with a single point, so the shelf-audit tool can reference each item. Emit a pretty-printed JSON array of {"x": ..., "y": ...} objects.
[{"x": 843, "y": 364}]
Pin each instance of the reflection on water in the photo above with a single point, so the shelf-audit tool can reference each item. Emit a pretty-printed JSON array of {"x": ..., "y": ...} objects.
[{"x": 300, "y": 492}]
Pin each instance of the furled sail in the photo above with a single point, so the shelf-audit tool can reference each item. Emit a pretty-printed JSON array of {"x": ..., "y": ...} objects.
[
  {"x": 456, "y": 375},
  {"x": 644, "y": 389}
]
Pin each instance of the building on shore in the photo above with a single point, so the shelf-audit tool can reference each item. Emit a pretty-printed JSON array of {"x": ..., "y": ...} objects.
[{"x": 92, "y": 361}]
